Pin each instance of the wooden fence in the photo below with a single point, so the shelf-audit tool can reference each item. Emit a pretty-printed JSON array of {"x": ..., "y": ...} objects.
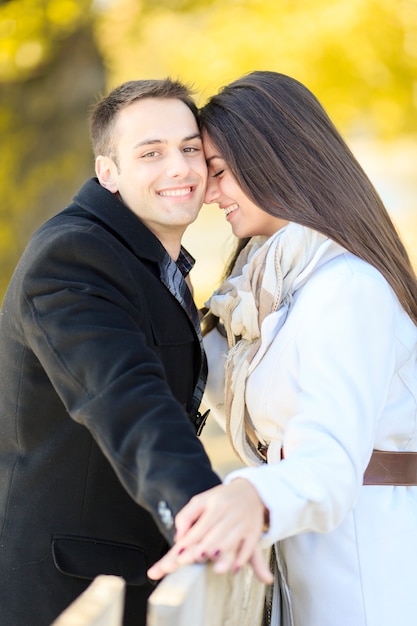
[
  {"x": 101, "y": 604},
  {"x": 193, "y": 595}
]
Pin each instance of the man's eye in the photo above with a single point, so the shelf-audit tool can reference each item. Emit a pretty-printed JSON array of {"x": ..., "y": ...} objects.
[
  {"x": 218, "y": 173},
  {"x": 150, "y": 155},
  {"x": 191, "y": 149}
]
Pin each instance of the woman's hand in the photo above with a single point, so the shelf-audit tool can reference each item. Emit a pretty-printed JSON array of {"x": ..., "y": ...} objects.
[{"x": 223, "y": 524}]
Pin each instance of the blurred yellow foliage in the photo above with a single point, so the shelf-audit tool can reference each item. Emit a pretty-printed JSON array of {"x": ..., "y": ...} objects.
[
  {"x": 29, "y": 30},
  {"x": 358, "y": 56}
]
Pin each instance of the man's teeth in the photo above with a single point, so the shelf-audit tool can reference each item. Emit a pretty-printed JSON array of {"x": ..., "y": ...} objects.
[
  {"x": 175, "y": 192},
  {"x": 230, "y": 209}
]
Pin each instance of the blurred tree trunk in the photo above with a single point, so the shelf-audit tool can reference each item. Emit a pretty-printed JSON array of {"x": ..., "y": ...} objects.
[{"x": 46, "y": 153}]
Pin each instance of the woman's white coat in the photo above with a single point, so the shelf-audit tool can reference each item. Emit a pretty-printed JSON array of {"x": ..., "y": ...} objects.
[{"x": 338, "y": 380}]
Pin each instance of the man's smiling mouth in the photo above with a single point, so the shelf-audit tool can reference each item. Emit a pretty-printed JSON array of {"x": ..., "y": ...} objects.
[{"x": 176, "y": 192}]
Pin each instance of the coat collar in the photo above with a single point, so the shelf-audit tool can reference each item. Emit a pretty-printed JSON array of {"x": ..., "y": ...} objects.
[{"x": 107, "y": 207}]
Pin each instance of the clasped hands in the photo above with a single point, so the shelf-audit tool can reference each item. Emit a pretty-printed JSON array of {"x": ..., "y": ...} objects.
[{"x": 223, "y": 525}]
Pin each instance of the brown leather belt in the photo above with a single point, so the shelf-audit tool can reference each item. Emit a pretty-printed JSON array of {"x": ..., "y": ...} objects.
[
  {"x": 384, "y": 468},
  {"x": 391, "y": 468}
]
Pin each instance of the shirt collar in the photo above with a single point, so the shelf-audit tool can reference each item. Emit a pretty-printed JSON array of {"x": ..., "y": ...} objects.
[{"x": 185, "y": 262}]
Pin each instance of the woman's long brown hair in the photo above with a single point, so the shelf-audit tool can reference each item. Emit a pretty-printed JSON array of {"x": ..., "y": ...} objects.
[{"x": 291, "y": 161}]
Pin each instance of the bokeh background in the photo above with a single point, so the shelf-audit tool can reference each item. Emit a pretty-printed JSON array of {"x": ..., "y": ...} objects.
[{"x": 56, "y": 56}]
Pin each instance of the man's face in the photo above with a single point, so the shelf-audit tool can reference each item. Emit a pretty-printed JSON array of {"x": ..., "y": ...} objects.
[{"x": 161, "y": 172}]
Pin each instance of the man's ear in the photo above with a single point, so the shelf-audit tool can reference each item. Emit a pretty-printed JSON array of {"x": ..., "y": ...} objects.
[{"x": 106, "y": 173}]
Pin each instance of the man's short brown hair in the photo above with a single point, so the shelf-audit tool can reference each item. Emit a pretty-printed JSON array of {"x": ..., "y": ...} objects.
[{"x": 104, "y": 113}]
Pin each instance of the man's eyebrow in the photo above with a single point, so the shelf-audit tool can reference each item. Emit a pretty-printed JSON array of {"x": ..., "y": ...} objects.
[
  {"x": 150, "y": 141},
  {"x": 194, "y": 136},
  {"x": 147, "y": 142}
]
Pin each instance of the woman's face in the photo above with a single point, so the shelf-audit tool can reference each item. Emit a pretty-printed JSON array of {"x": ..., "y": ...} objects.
[{"x": 245, "y": 217}]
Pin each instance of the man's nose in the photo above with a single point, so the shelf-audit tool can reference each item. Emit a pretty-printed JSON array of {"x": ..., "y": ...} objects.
[{"x": 178, "y": 165}]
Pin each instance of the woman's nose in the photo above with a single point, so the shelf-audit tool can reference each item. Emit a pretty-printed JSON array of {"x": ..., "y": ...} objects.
[{"x": 212, "y": 191}]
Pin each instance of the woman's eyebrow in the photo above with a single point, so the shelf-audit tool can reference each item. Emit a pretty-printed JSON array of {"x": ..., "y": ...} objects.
[{"x": 215, "y": 156}]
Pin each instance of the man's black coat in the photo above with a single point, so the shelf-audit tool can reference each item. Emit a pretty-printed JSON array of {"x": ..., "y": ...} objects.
[{"x": 98, "y": 362}]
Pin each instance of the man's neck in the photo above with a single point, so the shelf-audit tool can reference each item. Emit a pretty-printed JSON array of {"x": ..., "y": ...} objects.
[
  {"x": 172, "y": 249},
  {"x": 171, "y": 241}
]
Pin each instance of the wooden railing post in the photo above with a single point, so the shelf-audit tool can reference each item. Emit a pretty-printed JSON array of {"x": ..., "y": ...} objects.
[
  {"x": 195, "y": 595},
  {"x": 101, "y": 604}
]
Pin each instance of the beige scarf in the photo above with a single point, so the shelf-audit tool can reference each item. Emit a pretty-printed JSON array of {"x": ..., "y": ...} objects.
[{"x": 263, "y": 281}]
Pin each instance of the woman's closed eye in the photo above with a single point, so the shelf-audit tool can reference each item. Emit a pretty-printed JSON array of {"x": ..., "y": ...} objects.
[{"x": 217, "y": 173}]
